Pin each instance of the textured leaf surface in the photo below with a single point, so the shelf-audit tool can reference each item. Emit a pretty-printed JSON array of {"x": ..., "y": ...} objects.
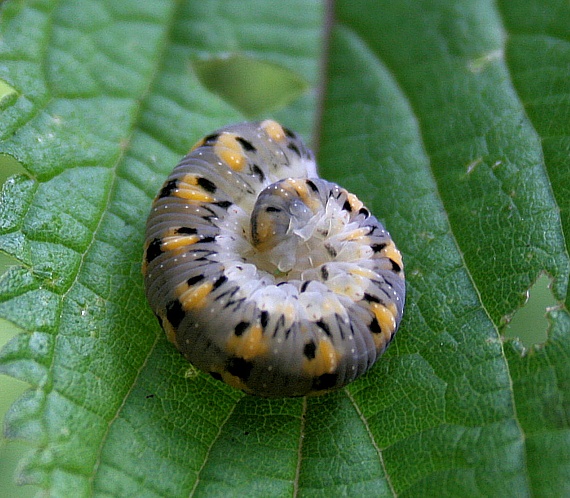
[{"x": 448, "y": 118}]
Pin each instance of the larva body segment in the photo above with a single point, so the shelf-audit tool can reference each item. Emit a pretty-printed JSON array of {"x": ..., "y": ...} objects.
[{"x": 267, "y": 277}]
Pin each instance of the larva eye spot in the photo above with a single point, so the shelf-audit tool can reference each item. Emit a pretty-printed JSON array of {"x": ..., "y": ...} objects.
[{"x": 288, "y": 289}]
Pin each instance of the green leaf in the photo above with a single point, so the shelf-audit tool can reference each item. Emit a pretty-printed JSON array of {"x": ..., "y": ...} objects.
[{"x": 447, "y": 118}]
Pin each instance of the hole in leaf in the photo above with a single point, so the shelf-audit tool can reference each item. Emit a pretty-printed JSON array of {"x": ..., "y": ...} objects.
[
  {"x": 7, "y": 94},
  {"x": 529, "y": 323},
  {"x": 254, "y": 87},
  {"x": 6, "y": 261},
  {"x": 9, "y": 167},
  {"x": 11, "y": 451}
]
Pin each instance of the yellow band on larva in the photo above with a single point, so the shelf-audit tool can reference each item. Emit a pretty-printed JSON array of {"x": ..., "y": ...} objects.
[{"x": 265, "y": 276}]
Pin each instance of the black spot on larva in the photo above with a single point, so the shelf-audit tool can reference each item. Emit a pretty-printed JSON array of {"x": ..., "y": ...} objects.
[
  {"x": 229, "y": 293},
  {"x": 304, "y": 285},
  {"x": 375, "y": 326},
  {"x": 347, "y": 207},
  {"x": 294, "y": 148},
  {"x": 324, "y": 272},
  {"x": 256, "y": 171},
  {"x": 331, "y": 250},
  {"x": 240, "y": 328},
  {"x": 174, "y": 313},
  {"x": 168, "y": 188},
  {"x": 206, "y": 240},
  {"x": 335, "y": 193},
  {"x": 365, "y": 212},
  {"x": 309, "y": 350},
  {"x": 289, "y": 133},
  {"x": 272, "y": 209},
  {"x": 223, "y": 204},
  {"x": 239, "y": 367},
  {"x": 325, "y": 381},
  {"x": 194, "y": 280},
  {"x": 245, "y": 144},
  {"x": 341, "y": 323},
  {"x": 153, "y": 250},
  {"x": 279, "y": 325},
  {"x": 324, "y": 327},
  {"x": 220, "y": 281},
  {"x": 214, "y": 214},
  {"x": 312, "y": 185},
  {"x": 216, "y": 376},
  {"x": 211, "y": 139},
  {"x": 385, "y": 282},
  {"x": 201, "y": 254},
  {"x": 370, "y": 298},
  {"x": 264, "y": 318},
  {"x": 207, "y": 185},
  {"x": 378, "y": 247},
  {"x": 186, "y": 231},
  {"x": 288, "y": 332},
  {"x": 236, "y": 304},
  {"x": 395, "y": 266}
]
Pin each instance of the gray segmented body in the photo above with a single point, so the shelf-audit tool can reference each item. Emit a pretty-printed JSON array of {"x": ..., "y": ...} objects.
[{"x": 267, "y": 277}]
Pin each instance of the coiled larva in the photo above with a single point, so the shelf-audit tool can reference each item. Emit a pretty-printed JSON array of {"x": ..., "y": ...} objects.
[{"x": 264, "y": 275}]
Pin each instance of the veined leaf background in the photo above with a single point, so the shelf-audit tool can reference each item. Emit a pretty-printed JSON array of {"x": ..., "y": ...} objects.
[{"x": 448, "y": 118}]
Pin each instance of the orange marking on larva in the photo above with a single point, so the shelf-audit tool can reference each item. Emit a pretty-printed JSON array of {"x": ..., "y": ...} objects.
[
  {"x": 195, "y": 297},
  {"x": 387, "y": 321},
  {"x": 358, "y": 234},
  {"x": 364, "y": 272},
  {"x": 168, "y": 329},
  {"x": 290, "y": 313},
  {"x": 188, "y": 180},
  {"x": 188, "y": 188},
  {"x": 264, "y": 233},
  {"x": 392, "y": 253},
  {"x": 306, "y": 195},
  {"x": 176, "y": 242},
  {"x": 193, "y": 195},
  {"x": 199, "y": 143},
  {"x": 351, "y": 288},
  {"x": 273, "y": 129},
  {"x": 325, "y": 361},
  {"x": 249, "y": 345},
  {"x": 355, "y": 203},
  {"x": 229, "y": 151},
  {"x": 332, "y": 305},
  {"x": 144, "y": 266},
  {"x": 234, "y": 381}
]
